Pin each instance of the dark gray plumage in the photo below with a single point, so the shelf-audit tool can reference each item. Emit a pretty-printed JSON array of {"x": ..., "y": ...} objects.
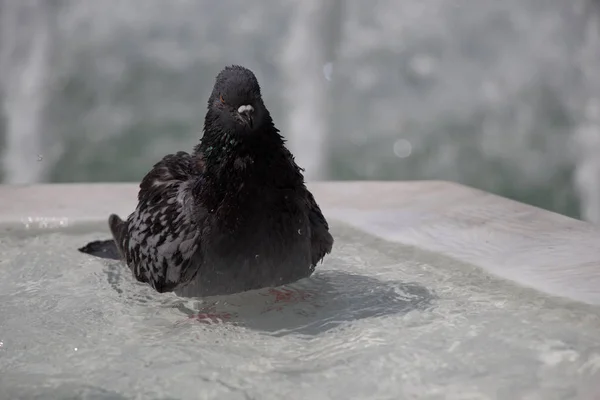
[{"x": 234, "y": 215}]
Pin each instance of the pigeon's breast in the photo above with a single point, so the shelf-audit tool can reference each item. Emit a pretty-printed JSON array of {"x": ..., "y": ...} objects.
[
  {"x": 275, "y": 216},
  {"x": 265, "y": 243},
  {"x": 269, "y": 223}
]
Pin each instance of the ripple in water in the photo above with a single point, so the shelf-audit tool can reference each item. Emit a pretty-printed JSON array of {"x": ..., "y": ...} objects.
[{"x": 376, "y": 319}]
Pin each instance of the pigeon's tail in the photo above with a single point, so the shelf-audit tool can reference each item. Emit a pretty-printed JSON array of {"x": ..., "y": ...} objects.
[
  {"x": 108, "y": 248},
  {"x": 102, "y": 249},
  {"x": 118, "y": 227}
]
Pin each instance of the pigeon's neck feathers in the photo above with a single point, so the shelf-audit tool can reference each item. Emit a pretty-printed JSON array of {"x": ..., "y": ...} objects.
[
  {"x": 237, "y": 167},
  {"x": 259, "y": 156},
  {"x": 220, "y": 144}
]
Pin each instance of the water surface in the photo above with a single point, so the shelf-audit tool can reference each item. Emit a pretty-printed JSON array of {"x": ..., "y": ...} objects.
[{"x": 377, "y": 320}]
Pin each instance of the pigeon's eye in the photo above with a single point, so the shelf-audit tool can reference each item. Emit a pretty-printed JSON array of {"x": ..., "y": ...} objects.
[{"x": 221, "y": 98}]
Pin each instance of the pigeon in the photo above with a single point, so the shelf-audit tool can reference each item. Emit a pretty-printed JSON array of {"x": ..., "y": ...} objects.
[{"x": 233, "y": 215}]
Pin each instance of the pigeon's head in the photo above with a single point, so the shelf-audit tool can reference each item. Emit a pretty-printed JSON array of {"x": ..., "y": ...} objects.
[{"x": 235, "y": 103}]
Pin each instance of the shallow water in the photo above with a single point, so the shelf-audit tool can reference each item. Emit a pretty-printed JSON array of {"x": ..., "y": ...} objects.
[{"x": 378, "y": 321}]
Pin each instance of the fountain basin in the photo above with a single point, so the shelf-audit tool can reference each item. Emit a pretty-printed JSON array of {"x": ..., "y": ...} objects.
[{"x": 434, "y": 290}]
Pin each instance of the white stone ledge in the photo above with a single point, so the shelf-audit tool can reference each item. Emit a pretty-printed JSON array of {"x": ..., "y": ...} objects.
[{"x": 533, "y": 247}]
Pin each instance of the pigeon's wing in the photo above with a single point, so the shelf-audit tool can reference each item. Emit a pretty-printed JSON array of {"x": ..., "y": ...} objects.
[
  {"x": 321, "y": 240},
  {"x": 160, "y": 240}
]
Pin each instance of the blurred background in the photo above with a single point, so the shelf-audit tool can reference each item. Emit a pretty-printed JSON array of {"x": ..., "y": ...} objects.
[{"x": 499, "y": 95}]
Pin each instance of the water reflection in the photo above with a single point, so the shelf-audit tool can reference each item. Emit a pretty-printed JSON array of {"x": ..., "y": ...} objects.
[{"x": 315, "y": 305}]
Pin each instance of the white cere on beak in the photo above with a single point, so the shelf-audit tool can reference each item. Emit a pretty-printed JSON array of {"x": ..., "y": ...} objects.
[{"x": 246, "y": 108}]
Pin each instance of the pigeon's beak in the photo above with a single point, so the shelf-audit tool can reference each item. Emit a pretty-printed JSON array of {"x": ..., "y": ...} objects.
[{"x": 246, "y": 114}]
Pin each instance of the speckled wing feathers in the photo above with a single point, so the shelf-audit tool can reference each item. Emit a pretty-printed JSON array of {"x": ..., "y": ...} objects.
[{"x": 160, "y": 240}]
